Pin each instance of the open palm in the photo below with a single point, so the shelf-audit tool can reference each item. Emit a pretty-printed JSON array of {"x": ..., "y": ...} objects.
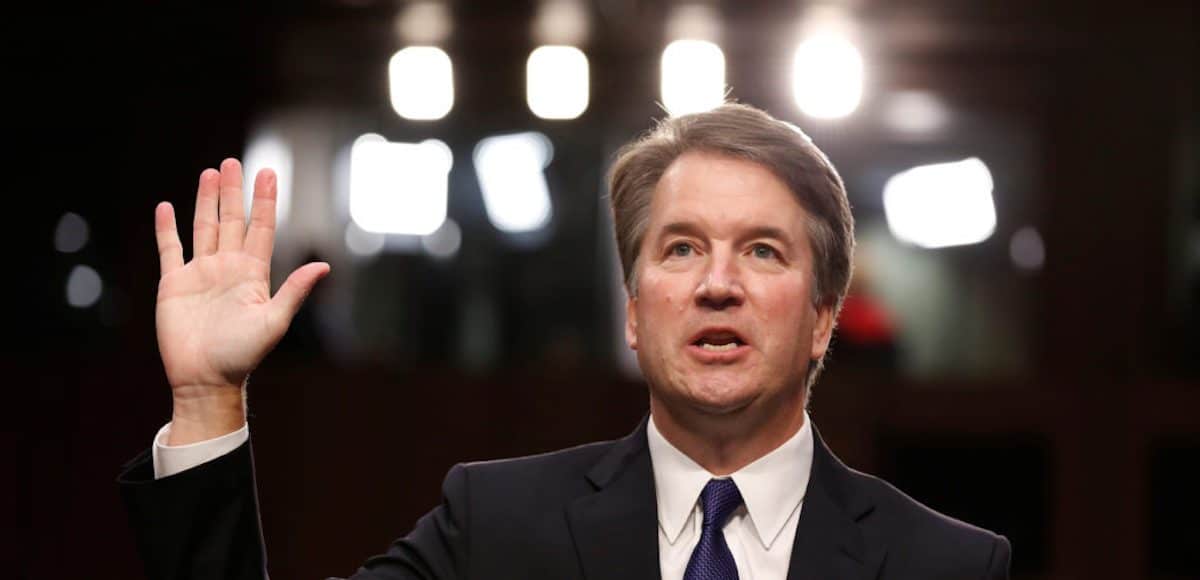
[{"x": 215, "y": 317}]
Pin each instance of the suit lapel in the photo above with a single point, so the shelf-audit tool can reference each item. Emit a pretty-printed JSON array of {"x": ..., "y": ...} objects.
[
  {"x": 616, "y": 528},
  {"x": 829, "y": 540}
]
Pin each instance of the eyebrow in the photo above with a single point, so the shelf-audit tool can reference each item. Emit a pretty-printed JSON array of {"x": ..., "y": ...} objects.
[
  {"x": 691, "y": 229},
  {"x": 679, "y": 228},
  {"x": 768, "y": 232}
]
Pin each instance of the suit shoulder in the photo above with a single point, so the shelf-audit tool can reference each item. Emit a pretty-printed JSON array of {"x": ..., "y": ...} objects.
[
  {"x": 582, "y": 456},
  {"x": 555, "y": 470},
  {"x": 925, "y": 535},
  {"x": 902, "y": 508}
]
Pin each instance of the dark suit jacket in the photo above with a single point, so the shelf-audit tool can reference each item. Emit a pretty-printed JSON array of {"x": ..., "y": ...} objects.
[{"x": 588, "y": 512}]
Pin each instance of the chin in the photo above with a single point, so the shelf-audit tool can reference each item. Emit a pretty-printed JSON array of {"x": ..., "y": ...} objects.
[{"x": 719, "y": 397}]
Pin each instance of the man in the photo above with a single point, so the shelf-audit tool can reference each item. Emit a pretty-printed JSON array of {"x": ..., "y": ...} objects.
[{"x": 735, "y": 237}]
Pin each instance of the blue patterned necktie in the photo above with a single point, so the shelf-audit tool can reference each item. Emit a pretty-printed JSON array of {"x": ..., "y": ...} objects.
[{"x": 711, "y": 560}]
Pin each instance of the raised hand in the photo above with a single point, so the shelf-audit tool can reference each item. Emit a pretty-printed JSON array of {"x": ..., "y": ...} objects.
[{"x": 216, "y": 319}]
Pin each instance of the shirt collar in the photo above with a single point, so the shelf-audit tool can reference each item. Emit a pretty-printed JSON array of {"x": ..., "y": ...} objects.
[
  {"x": 678, "y": 482},
  {"x": 772, "y": 485}
]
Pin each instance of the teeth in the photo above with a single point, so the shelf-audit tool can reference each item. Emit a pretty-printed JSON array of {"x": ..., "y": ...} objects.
[{"x": 718, "y": 347}]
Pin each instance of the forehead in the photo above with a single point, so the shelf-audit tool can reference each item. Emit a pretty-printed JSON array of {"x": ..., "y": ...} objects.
[{"x": 724, "y": 192}]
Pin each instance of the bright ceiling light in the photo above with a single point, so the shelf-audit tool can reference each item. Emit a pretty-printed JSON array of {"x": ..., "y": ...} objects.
[
  {"x": 510, "y": 171},
  {"x": 268, "y": 150},
  {"x": 398, "y": 188},
  {"x": 556, "y": 82},
  {"x": 693, "y": 77},
  {"x": 827, "y": 76},
  {"x": 422, "y": 83},
  {"x": 947, "y": 204}
]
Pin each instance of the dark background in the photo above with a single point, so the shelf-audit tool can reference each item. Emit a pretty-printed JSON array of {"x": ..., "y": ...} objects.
[{"x": 1081, "y": 449}]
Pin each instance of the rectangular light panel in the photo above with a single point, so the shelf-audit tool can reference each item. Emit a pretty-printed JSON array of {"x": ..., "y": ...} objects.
[{"x": 398, "y": 188}]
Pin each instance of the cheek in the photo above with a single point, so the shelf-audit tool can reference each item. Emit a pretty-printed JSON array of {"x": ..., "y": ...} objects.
[
  {"x": 663, "y": 296},
  {"x": 786, "y": 313}
]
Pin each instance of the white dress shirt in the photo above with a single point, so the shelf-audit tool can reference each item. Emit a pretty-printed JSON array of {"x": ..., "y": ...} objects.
[
  {"x": 172, "y": 459},
  {"x": 760, "y": 533}
]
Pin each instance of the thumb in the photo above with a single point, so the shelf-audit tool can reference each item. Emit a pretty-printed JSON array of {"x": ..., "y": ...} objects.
[{"x": 295, "y": 289}]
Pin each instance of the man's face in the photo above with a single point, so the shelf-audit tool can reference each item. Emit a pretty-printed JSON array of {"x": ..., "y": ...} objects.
[{"x": 723, "y": 320}]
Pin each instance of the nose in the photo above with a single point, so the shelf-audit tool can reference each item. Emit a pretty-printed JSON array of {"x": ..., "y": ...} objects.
[{"x": 721, "y": 285}]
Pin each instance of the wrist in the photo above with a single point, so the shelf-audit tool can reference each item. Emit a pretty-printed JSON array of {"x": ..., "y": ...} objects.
[{"x": 205, "y": 412}]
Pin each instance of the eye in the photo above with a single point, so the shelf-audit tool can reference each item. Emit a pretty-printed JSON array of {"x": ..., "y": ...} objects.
[
  {"x": 681, "y": 249},
  {"x": 764, "y": 251}
]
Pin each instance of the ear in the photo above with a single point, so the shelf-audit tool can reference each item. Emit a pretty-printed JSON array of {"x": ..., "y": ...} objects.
[
  {"x": 822, "y": 331},
  {"x": 631, "y": 322}
]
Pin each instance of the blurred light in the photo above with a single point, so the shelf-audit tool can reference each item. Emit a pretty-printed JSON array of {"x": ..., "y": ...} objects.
[
  {"x": 423, "y": 23},
  {"x": 269, "y": 151},
  {"x": 561, "y": 22},
  {"x": 509, "y": 169},
  {"x": 422, "y": 83},
  {"x": 1026, "y": 249},
  {"x": 71, "y": 233},
  {"x": 398, "y": 188},
  {"x": 402, "y": 243},
  {"x": 693, "y": 21},
  {"x": 556, "y": 82},
  {"x": 443, "y": 243},
  {"x": 947, "y": 204},
  {"x": 83, "y": 287},
  {"x": 914, "y": 112},
  {"x": 827, "y": 76},
  {"x": 363, "y": 243},
  {"x": 693, "y": 77}
]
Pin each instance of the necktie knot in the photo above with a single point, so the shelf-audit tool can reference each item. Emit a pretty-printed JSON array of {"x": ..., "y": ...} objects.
[{"x": 719, "y": 500}]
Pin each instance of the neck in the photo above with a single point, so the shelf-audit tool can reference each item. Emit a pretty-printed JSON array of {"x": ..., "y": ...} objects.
[{"x": 723, "y": 443}]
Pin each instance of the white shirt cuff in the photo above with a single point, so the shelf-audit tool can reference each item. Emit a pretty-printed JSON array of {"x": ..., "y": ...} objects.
[{"x": 169, "y": 460}]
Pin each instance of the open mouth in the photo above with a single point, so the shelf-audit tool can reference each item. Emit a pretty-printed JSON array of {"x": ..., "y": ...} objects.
[{"x": 718, "y": 341}]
